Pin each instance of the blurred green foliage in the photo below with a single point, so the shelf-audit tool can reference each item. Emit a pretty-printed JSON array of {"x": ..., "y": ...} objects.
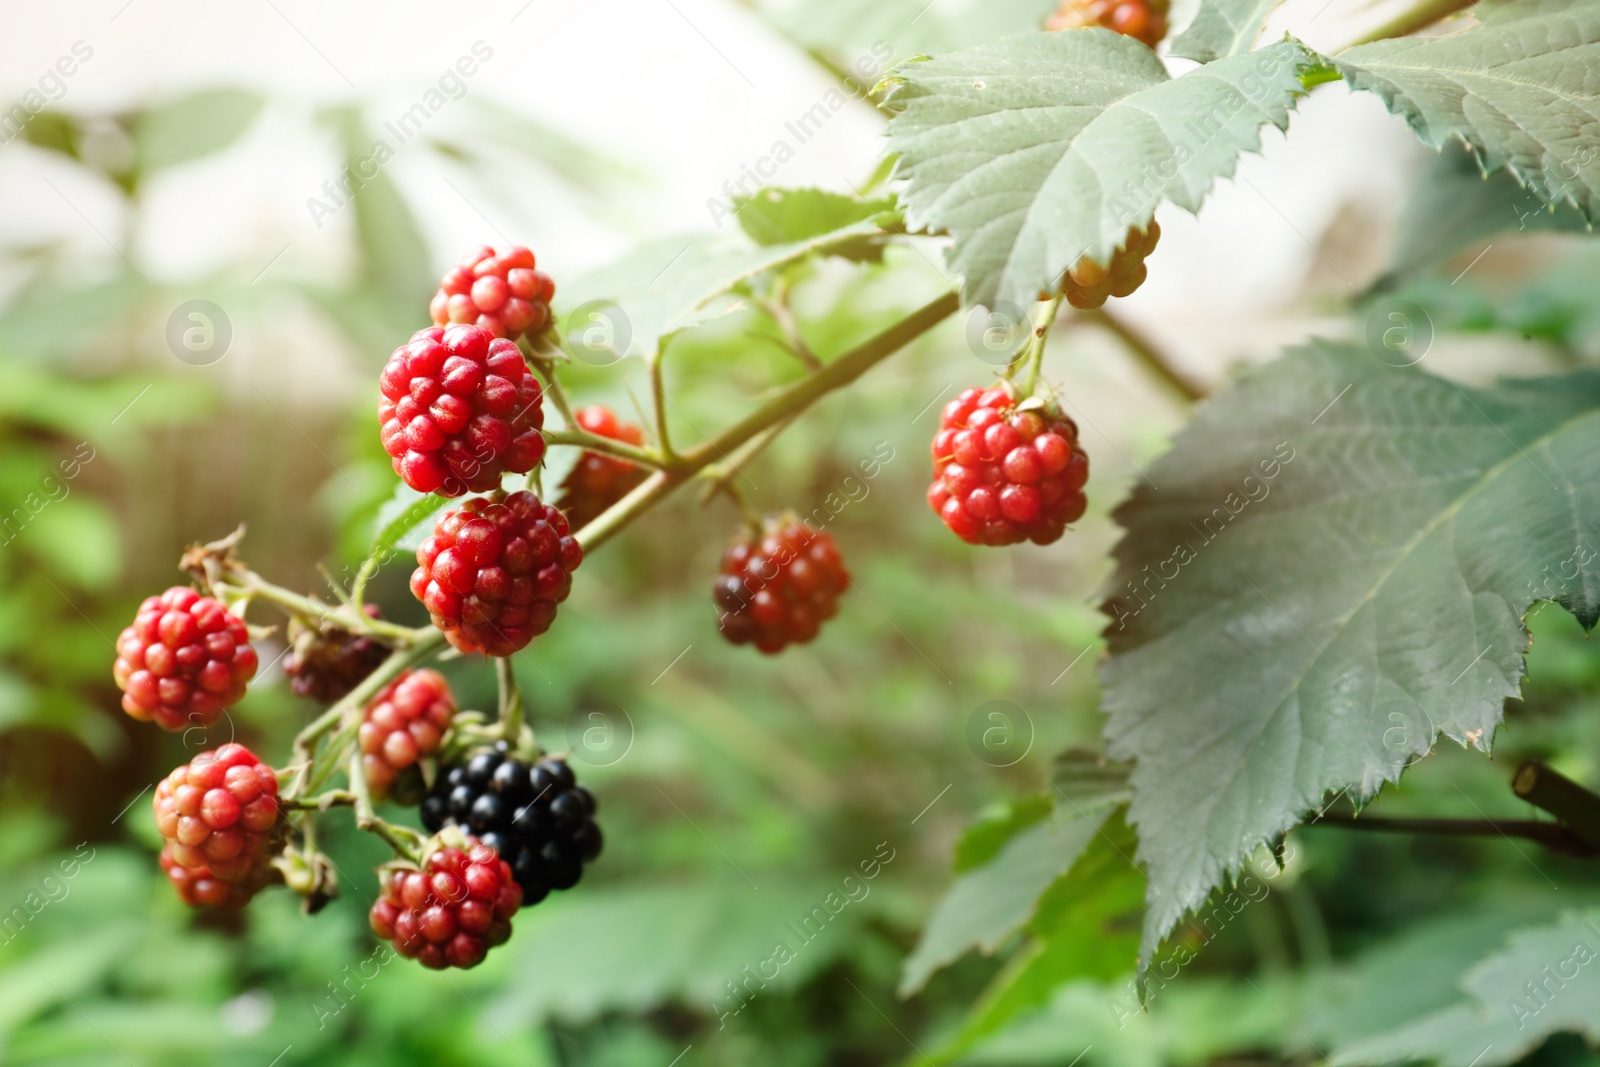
[{"x": 738, "y": 793}]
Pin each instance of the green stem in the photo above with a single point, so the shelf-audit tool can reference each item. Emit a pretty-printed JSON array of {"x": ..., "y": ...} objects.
[
  {"x": 581, "y": 438},
  {"x": 406, "y": 842},
  {"x": 349, "y": 711},
  {"x": 510, "y": 700},
  {"x": 658, "y": 397},
  {"x": 719, "y": 475},
  {"x": 320, "y": 613},
  {"x": 792, "y": 399},
  {"x": 1420, "y": 17},
  {"x": 1044, "y": 319},
  {"x": 1148, "y": 355}
]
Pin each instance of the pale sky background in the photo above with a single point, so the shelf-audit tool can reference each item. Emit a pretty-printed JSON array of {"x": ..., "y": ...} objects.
[{"x": 683, "y": 93}]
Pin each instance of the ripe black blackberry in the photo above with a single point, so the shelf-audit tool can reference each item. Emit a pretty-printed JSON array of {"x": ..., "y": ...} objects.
[{"x": 534, "y": 815}]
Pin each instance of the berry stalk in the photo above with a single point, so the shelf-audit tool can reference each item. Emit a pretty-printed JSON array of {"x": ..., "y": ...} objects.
[
  {"x": 405, "y": 842},
  {"x": 788, "y": 401}
]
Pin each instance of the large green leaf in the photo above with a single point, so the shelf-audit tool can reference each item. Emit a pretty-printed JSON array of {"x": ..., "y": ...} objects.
[
  {"x": 779, "y": 216},
  {"x": 987, "y": 905},
  {"x": 1334, "y": 570},
  {"x": 1545, "y": 981},
  {"x": 1518, "y": 88},
  {"x": 1040, "y": 149},
  {"x": 1454, "y": 206},
  {"x": 1223, "y": 28},
  {"x": 1085, "y": 927},
  {"x": 631, "y": 949}
]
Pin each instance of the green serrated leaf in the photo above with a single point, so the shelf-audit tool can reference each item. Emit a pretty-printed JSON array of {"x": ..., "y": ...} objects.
[
  {"x": 987, "y": 905},
  {"x": 1517, "y": 88},
  {"x": 636, "y": 305},
  {"x": 1040, "y": 149},
  {"x": 1085, "y": 927},
  {"x": 403, "y": 514},
  {"x": 983, "y": 840},
  {"x": 1223, "y": 28},
  {"x": 1315, "y": 517},
  {"x": 1545, "y": 981},
  {"x": 779, "y": 216},
  {"x": 1454, "y": 206}
]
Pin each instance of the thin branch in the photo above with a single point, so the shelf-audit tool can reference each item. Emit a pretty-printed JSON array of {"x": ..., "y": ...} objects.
[
  {"x": 1152, "y": 358},
  {"x": 1554, "y": 836},
  {"x": 1551, "y": 791},
  {"x": 794, "y": 398},
  {"x": 1422, "y": 16},
  {"x": 593, "y": 442}
]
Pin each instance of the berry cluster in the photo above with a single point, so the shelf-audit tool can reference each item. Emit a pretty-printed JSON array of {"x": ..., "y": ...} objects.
[
  {"x": 460, "y": 408},
  {"x": 184, "y": 660},
  {"x": 494, "y": 570},
  {"x": 499, "y": 291},
  {"x": 1143, "y": 20},
  {"x": 451, "y": 911},
  {"x": 1005, "y": 472},
  {"x": 779, "y": 589},
  {"x": 324, "y": 665},
  {"x": 533, "y": 814},
  {"x": 404, "y": 722},
  {"x": 597, "y": 480},
  {"x": 1087, "y": 284},
  {"x": 217, "y": 815}
]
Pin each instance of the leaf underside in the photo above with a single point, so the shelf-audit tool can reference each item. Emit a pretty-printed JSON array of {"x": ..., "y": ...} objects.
[
  {"x": 1222, "y": 28},
  {"x": 1519, "y": 88},
  {"x": 1333, "y": 571},
  {"x": 1040, "y": 149}
]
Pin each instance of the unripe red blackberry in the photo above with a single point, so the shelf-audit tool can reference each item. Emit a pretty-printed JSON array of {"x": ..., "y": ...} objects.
[
  {"x": 499, "y": 291},
  {"x": 218, "y": 813},
  {"x": 451, "y": 911},
  {"x": 779, "y": 589},
  {"x": 185, "y": 659},
  {"x": 533, "y": 813},
  {"x": 459, "y": 409},
  {"x": 199, "y": 888},
  {"x": 494, "y": 570},
  {"x": 1005, "y": 472},
  {"x": 1143, "y": 20},
  {"x": 1087, "y": 284},
  {"x": 597, "y": 480},
  {"x": 404, "y": 722},
  {"x": 324, "y": 665}
]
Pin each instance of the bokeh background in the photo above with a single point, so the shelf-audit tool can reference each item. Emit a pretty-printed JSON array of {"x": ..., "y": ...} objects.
[{"x": 185, "y": 159}]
